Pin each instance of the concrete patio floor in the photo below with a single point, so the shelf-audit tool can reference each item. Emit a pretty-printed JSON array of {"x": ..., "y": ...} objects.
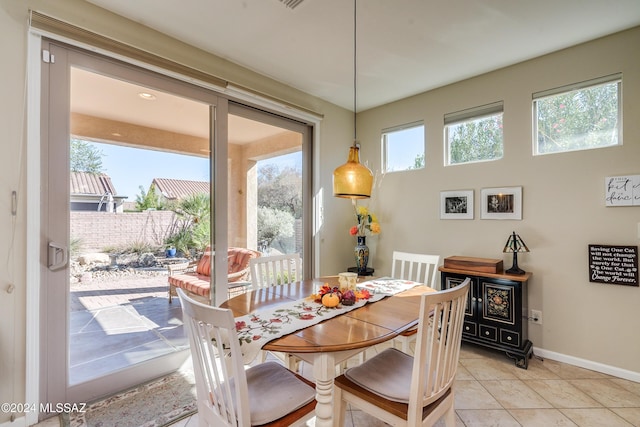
[{"x": 118, "y": 323}]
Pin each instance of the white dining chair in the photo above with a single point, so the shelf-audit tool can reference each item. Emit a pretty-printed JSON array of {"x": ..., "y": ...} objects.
[
  {"x": 267, "y": 394},
  {"x": 420, "y": 268},
  {"x": 276, "y": 270},
  {"x": 405, "y": 390}
]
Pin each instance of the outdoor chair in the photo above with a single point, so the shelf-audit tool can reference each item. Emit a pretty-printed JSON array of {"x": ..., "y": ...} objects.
[
  {"x": 267, "y": 394},
  {"x": 404, "y": 390},
  {"x": 194, "y": 277}
]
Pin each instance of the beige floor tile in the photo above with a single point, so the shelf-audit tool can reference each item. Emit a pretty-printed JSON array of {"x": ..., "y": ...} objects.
[
  {"x": 470, "y": 351},
  {"x": 632, "y": 386},
  {"x": 463, "y": 374},
  {"x": 608, "y": 393},
  {"x": 50, "y": 422},
  {"x": 487, "y": 418},
  {"x": 471, "y": 395},
  {"x": 541, "y": 418},
  {"x": 515, "y": 394},
  {"x": 570, "y": 372},
  {"x": 361, "y": 419},
  {"x": 595, "y": 417},
  {"x": 188, "y": 422},
  {"x": 537, "y": 370},
  {"x": 440, "y": 422},
  {"x": 632, "y": 415},
  {"x": 488, "y": 369},
  {"x": 562, "y": 394}
]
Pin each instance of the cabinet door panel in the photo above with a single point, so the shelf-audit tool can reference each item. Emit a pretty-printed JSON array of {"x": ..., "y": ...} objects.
[
  {"x": 498, "y": 302},
  {"x": 452, "y": 281}
]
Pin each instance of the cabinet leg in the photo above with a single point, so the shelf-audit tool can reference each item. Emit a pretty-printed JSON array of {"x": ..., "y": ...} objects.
[{"x": 522, "y": 359}]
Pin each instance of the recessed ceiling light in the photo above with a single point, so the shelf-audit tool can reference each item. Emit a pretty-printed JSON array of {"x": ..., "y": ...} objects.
[{"x": 146, "y": 95}]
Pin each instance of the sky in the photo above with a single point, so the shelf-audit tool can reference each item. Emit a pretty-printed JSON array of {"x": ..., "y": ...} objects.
[{"x": 130, "y": 168}]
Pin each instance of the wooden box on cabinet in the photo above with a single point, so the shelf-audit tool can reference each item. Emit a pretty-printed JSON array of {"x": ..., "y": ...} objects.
[
  {"x": 479, "y": 265},
  {"x": 496, "y": 314}
]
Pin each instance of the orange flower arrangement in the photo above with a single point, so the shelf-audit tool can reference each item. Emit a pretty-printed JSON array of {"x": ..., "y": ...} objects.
[{"x": 367, "y": 222}]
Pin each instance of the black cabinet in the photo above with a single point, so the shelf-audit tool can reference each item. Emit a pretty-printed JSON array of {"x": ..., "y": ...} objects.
[{"x": 496, "y": 314}]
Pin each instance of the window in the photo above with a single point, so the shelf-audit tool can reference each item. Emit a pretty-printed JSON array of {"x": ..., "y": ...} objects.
[
  {"x": 474, "y": 135},
  {"x": 403, "y": 147},
  {"x": 578, "y": 117}
]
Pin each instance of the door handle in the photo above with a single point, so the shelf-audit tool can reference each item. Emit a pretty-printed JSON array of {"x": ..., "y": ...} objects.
[{"x": 57, "y": 256}]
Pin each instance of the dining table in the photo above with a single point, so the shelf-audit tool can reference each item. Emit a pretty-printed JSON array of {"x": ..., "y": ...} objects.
[{"x": 326, "y": 344}]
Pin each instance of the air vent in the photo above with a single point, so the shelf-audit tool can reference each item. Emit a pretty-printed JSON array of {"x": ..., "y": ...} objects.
[{"x": 291, "y": 3}]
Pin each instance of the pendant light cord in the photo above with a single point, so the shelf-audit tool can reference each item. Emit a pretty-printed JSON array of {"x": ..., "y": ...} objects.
[{"x": 355, "y": 72}]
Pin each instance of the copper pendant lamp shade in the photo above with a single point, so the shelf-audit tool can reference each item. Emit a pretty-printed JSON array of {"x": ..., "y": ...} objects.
[{"x": 353, "y": 180}]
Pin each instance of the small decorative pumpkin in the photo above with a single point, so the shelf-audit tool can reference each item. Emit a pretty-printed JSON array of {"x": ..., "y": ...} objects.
[{"x": 331, "y": 299}]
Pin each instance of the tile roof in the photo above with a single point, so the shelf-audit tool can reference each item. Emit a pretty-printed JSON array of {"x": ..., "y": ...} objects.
[
  {"x": 91, "y": 183},
  {"x": 173, "y": 189}
]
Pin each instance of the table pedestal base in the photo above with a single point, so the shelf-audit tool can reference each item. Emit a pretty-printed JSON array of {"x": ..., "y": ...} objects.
[{"x": 324, "y": 371}]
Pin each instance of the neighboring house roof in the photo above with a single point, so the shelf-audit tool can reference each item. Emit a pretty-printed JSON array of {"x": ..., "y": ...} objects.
[
  {"x": 87, "y": 183},
  {"x": 174, "y": 189}
]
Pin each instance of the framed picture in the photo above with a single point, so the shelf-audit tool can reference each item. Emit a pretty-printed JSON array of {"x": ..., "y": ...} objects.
[
  {"x": 501, "y": 203},
  {"x": 456, "y": 204}
]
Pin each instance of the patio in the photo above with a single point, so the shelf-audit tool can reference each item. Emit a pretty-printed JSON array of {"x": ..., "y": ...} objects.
[{"x": 120, "y": 322}]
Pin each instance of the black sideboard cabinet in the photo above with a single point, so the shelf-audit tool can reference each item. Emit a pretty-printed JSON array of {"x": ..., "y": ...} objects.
[{"x": 496, "y": 314}]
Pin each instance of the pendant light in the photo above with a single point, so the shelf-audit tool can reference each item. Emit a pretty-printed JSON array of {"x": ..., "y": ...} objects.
[{"x": 353, "y": 180}]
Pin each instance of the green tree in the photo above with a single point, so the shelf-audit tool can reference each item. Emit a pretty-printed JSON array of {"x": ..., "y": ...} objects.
[
  {"x": 85, "y": 157},
  {"x": 476, "y": 140},
  {"x": 273, "y": 224},
  {"x": 281, "y": 190},
  {"x": 583, "y": 118},
  {"x": 192, "y": 226},
  {"x": 418, "y": 162},
  {"x": 148, "y": 200}
]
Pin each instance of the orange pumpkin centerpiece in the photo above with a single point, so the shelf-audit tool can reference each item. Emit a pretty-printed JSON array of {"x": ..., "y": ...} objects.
[{"x": 331, "y": 299}]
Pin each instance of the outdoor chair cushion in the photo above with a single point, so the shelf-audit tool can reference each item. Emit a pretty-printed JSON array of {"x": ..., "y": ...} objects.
[{"x": 197, "y": 281}]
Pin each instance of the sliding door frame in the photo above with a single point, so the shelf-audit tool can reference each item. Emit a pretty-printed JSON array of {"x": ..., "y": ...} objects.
[{"x": 34, "y": 244}]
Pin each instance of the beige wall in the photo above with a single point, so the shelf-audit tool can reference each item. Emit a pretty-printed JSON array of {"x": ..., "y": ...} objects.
[
  {"x": 563, "y": 206},
  {"x": 563, "y": 198}
]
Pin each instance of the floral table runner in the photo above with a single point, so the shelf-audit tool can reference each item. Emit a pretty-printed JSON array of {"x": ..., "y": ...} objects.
[{"x": 256, "y": 329}]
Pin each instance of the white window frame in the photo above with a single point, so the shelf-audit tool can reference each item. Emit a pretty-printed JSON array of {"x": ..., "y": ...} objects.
[
  {"x": 537, "y": 96},
  {"x": 469, "y": 115},
  {"x": 385, "y": 145}
]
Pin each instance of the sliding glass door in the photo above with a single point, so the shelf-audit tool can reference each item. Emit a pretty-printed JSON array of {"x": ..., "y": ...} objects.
[
  {"x": 141, "y": 172},
  {"x": 124, "y": 152}
]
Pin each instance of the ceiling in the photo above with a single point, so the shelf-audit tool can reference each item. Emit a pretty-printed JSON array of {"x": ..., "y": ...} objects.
[
  {"x": 404, "y": 47},
  {"x": 103, "y": 97}
]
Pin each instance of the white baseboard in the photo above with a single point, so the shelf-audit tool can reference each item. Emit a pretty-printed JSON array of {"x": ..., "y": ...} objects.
[{"x": 587, "y": 364}]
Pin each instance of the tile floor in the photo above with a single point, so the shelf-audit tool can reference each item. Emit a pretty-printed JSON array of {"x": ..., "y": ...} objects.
[{"x": 491, "y": 391}]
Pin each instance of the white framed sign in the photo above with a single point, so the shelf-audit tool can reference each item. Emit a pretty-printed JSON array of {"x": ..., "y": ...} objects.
[{"x": 622, "y": 190}]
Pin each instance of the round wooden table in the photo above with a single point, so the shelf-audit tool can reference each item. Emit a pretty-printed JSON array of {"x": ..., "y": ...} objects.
[{"x": 332, "y": 341}]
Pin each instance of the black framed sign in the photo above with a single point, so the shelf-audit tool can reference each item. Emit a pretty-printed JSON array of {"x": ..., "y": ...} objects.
[{"x": 613, "y": 265}]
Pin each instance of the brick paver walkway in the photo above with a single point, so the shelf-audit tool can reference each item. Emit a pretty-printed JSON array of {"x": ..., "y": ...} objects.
[{"x": 107, "y": 293}]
